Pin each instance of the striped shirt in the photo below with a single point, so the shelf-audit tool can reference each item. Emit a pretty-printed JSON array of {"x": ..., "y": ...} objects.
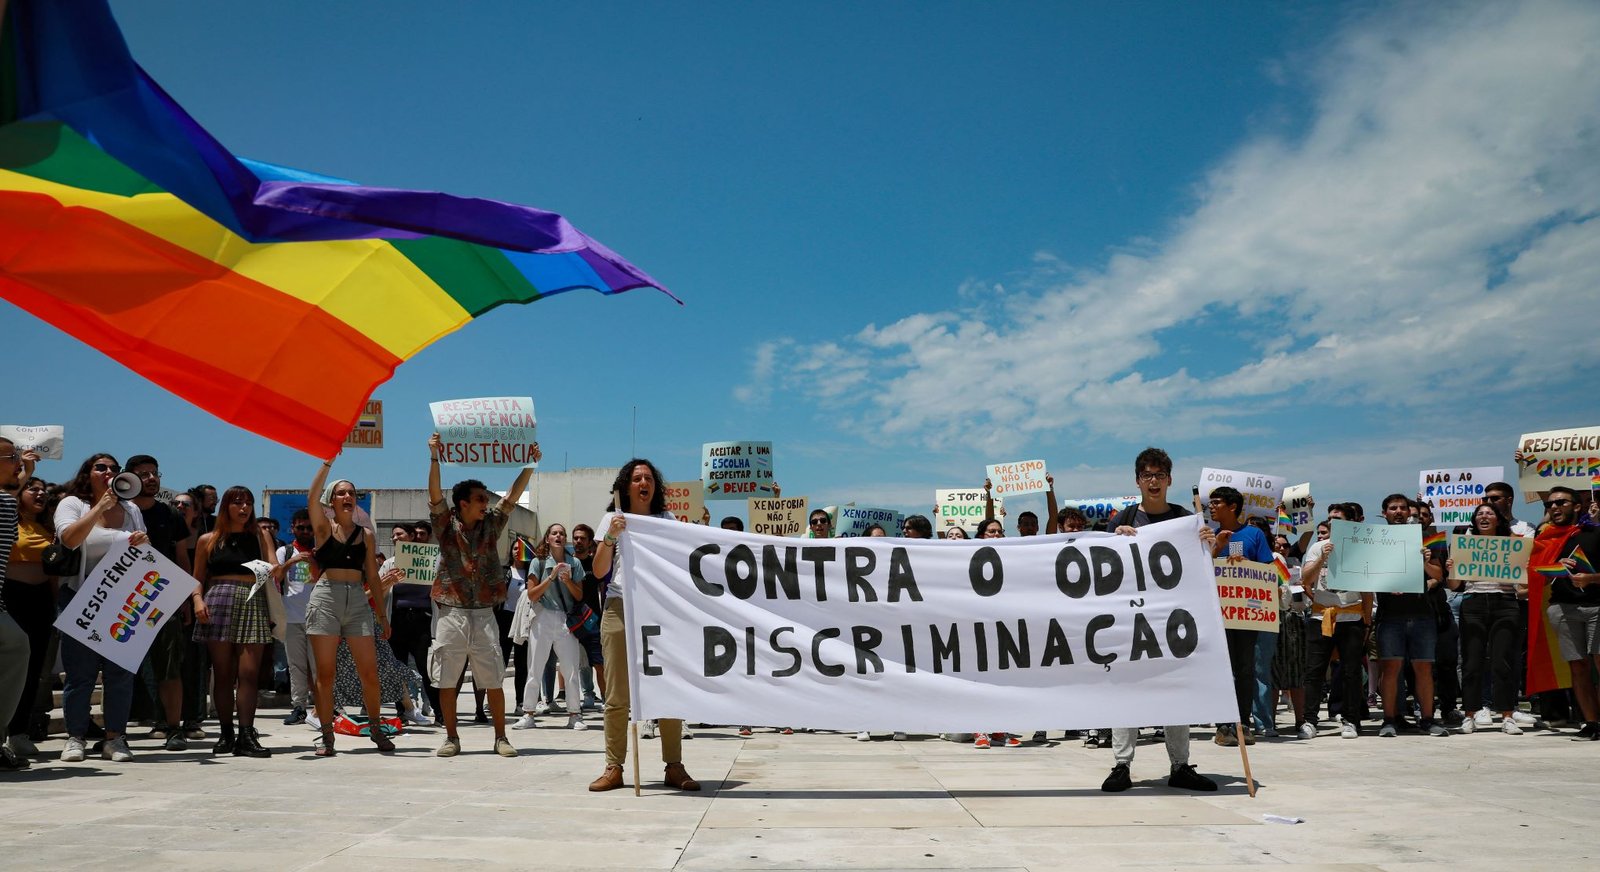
[{"x": 8, "y": 538}]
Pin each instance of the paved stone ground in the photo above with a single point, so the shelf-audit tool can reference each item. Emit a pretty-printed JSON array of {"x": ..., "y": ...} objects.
[{"x": 812, "y": 801}]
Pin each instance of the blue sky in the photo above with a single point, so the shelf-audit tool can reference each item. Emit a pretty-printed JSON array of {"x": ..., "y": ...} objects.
[{"x": 1334, "y": 243}]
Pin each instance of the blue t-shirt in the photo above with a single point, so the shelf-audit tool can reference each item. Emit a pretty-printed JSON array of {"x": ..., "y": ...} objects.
[{"x": 1256, "y": 546}]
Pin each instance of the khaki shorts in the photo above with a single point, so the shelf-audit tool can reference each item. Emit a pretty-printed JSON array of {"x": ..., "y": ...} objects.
[
  {"x": 463, "y": 637},
  {"x": 337, "y": 608}
]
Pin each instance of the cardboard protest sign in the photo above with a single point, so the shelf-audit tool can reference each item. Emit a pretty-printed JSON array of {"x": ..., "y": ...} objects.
[
  {"x": 418, "y": 560},
  {"x": 1453, "y": 493},
  {"x": 686, "y": 500},
  {"x": 123, "y": 602},
  {"x": 1297, "y": 502},
  {"x": 1568, "y": 457},
  {"x": 487, "y": 431},
  {"x": 1016, "y": 478},
  {"x": 1262, "y": 493},
  {"x": 368, "y": 431},
  {"x": 1248, "y": 593},
  {"x": 1098, "y": 509},
  {"x": 1500, "y": 559},
  {"x": 778, "y": 516},
  {"x": 899, "y": 634},
  {"x": 854, "y": 521},
  {"x": 1381, "y": 558},
  {"x": 961, "y": 507},
  {"x": 735, "y": 470},
  {"x": 49, "y": 441}
]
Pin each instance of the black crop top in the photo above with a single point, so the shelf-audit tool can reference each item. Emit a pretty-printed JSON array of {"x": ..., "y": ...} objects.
[
  {"x": 230, "y": 553},
  {"x": 334, "y": 554}
]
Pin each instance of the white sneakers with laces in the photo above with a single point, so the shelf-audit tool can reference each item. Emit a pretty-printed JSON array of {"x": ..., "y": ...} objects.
[
  {"x": 75, "y": 750},
  {"x": 1347, "y": 730},
  {"x": 526, "y": 722}
]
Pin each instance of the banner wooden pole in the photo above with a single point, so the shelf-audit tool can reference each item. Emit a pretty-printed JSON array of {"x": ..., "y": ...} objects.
[
  {"x": 1238, "y": 731},
  {"x": 633, "y": 727}
]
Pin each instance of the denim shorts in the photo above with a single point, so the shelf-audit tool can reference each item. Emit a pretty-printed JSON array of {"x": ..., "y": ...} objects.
[{"x": 1415, "y": 639}]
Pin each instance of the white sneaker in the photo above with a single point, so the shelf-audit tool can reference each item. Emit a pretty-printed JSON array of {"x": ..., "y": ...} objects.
[
  {"x": 1348, "y": 730},
  {"x": 116, "y": 750},
  {"x": 415, "y": 716},
  {"x": 74, "y": 751},
  {"x": 1308, "y": 731},
  {"x": 863, "y": 736},
  {"x": 1469, "y": 724},
  {"x": 575, "y": 722},
  {"x": 1510, "y": 728},
  {"x": 22, "y": 746},
  {"x": 541, "y": 708},
  {"x": 526, "y": 722},
  {"x": 312, "y": 721},
  {"x": 1484, "y": 717},
  {"x": 647, "y": 730},
  {"x": 1523, "y": 719}
]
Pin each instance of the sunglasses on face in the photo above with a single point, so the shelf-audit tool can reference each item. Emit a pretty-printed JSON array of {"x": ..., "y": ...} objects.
[
  {"x": 1550, "y": 504},
  {"x": 107, "y": 467}
]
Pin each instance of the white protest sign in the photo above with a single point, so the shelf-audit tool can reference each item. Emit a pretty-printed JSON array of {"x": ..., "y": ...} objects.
[
  {"x": 854, "y": 521},
  {"x": 1297, "y": 502},
  {"x": 48, "y": 440},
  {"x": 1248, "y": 592},
  {"x": 1454, "y": 493},
  {"x": 1099, "y": 508},
  {"x": 897, "y": 634},
  {"x": 487, "y": 431},
  {"x": 734, "y": 470},
  {"x": 418, "y": 560},
  {"x": 961, "y": 507},
  {"x": 1568, "y": 457},
  {"x": 1262, "y": 493},
  {"x": 778, "y": 516},
  {"x": 1016, "y": 478},
  {"x": 123, "y": 602},
  {"x": 1500, "y": 559},
  {"x": 686, "y": 500}
]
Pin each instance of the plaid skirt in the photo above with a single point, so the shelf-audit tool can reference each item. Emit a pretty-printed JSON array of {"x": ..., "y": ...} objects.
[{"x": 233, "y": 617}]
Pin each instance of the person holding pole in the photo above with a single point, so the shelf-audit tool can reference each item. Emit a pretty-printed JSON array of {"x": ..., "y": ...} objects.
[{"x": 636, "y": 491}]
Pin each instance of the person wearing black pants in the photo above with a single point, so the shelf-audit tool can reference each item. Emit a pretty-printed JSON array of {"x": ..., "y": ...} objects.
[
  {"x": 1489, "y": 644},
  {"x": 411, "y": 635},
  {"x": 1237, "y": 541}
]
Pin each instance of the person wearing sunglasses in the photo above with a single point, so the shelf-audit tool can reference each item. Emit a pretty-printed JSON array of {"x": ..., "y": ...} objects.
[
  {"x": 1574, "y": 604},
  {"x": 298, "y": 578},
  {"x": 92, "y": 519}
]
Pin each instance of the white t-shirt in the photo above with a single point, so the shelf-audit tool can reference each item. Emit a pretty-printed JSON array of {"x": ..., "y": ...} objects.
[
  {"x": 1320, "y": 595},
  {"x": 101, "y": 539},
  {"x": 614, "y": 586}
]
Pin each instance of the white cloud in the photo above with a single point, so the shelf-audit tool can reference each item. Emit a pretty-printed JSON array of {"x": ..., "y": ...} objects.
[{"x": 1437, "y": 209}]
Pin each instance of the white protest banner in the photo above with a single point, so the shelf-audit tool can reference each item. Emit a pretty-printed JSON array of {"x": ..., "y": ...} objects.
[
  {"x": 898, "y": 634},
  {"x": 961, "y": 507},
  {"x": 368, "y": 431},
  {"x": 1568, "y": 457},
  {"x": 1262, "y": 493},
  {"x": 123, "y": 601},
  {"x": 1248, "y": 592},
  {"x": 1454, "y": 493},
  {"x": 686, "y": 500},
  {"x": 48, "y": 440},
  {"x": 1501, "y": 559},
  {"x": 1016, "y": 478},
  {"x": 1099, "y": 508},
  {"x": 418, "y": 560},
  {"x": 778, "y": 516},
  {"x": 730, "y": 470},
  {"x": 1297, "y": 502},
  {"x": 854, "y": 521},
  {"x": 487, "y": 431},
  {"x": 1380, "y": 558}
]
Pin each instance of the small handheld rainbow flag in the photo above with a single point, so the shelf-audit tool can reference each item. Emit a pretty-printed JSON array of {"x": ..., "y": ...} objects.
[
  {"x": 521, "y": 550},
  {"x": 1282, "y": 568},
  {"x": 1554, "y": 570},
  {"x": 1434, "y": 540},
  {"x": 1582, "y": 559},
  {"x": 1284, "y": 520}
]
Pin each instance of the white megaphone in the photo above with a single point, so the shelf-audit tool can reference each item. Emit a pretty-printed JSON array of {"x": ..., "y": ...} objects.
[{"x": 126, "y": 485}]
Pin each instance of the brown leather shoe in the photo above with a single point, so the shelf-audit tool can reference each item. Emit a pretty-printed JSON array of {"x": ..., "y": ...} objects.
[
  {"x": 611, "y": 779},
  {"x": 678, "y": 777}
]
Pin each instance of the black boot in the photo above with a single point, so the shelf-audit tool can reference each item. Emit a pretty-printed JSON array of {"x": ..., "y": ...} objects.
[
  {"x": 249, "y": 744},
  {"x": 225, "y": 740}
]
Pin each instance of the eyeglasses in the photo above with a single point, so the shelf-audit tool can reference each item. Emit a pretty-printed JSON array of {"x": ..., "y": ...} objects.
[
  {"x": 107, "y": 467},
  {"x": 149, "y": 475},
  {"x": 1151, "y": 475},
  {"x": 12, "y": 456}
]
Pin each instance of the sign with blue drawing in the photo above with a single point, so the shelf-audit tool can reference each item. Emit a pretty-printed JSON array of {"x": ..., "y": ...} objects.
[{"x": 1380, "y": 558}]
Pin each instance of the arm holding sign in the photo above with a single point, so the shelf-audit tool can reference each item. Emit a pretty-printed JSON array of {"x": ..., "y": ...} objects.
[
  {"x": 517, "y": 487},
  {"x": 436, "y": 504},
  {"x": 988, "y": 500},
  {"x": 320, "y": 528},
  {"x": 1050, "y": 525}
]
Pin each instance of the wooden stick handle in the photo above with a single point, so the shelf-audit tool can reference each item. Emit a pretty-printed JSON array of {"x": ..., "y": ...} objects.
[{"x": 1249, "y": 782}]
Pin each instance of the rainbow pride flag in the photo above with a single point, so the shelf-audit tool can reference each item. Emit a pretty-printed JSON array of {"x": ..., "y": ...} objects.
[
  {"x": 1281, "y": 567},
  {"x": 1582, "y": 559},
  {"x": 1285, "y": 521},
  {"x": 1553, "y": 570},
  {"x": 521, "y": 549},
  {"x": 273, "y": 298},
  {"x": 1434, "y": 540}
]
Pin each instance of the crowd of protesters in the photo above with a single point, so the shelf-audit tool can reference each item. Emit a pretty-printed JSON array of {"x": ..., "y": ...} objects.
[{"x": 1449, "y": 659}]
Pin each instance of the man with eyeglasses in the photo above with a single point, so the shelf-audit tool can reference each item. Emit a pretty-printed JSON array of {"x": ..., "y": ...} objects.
[
  {"x": 1573, "y": 604},
  {"x": 1152, "y": 472},
  {"x": 298, "y": 582},
  {"x": 163, "y": 664}
]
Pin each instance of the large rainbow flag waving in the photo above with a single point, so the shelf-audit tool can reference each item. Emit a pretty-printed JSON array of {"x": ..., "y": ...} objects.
[{"x": 274, "y": 298}]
